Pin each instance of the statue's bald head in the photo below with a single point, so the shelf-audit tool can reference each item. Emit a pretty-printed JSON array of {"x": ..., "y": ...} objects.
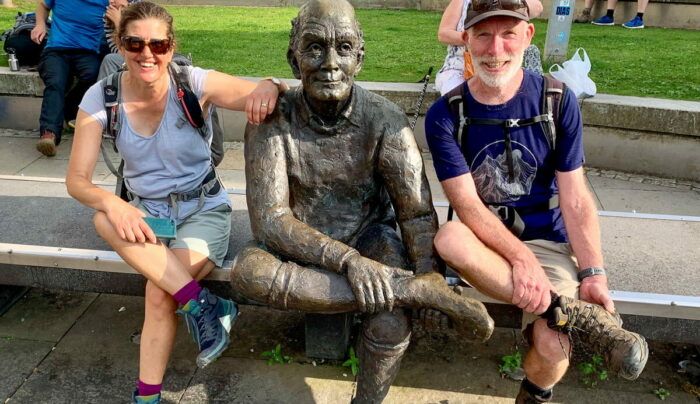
[
  {"x": 335, "y": 8},
  {"x": 326, "y": 13}
]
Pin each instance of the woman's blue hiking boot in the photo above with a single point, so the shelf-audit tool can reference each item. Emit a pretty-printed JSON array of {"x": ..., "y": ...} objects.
[
  {"x": 152, "y": 399},
  {"x": 209, "y": 320}
]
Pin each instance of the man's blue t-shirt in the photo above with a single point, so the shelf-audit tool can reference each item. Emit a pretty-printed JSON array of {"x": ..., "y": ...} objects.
[
  {"x": 534, "y": 163},
  {"x": 76, "y": 24}
]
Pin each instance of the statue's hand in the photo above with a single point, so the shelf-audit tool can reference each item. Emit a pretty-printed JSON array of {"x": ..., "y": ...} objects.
[{"x": 370, "y": 281}]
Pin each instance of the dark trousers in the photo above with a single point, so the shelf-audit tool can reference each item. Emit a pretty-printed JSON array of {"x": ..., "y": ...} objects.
[{"x": 58, "y": 68}]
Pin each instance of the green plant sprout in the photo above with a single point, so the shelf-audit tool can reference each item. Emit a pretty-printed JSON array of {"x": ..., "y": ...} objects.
[
  {"x": 509, "y": 363},
  {"x": 353, "y": 363},
  {"x": 275, "y": 356},
  {"x": 661, "y": 393},
  {"x": 593, "y": 371}
]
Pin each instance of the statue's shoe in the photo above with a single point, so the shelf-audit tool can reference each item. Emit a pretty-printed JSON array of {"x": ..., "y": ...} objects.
[{"x": 468, "y": 316}]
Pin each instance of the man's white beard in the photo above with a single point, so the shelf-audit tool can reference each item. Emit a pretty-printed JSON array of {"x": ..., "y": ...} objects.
[{"x": 497, "y": 80}]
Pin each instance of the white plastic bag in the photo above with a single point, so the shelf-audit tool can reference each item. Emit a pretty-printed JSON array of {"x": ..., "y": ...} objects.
[{"x": 574, "y": 73}]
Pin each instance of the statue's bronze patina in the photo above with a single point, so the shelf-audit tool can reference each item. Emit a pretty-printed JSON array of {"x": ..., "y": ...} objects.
[{"x": 329, "y": 176}]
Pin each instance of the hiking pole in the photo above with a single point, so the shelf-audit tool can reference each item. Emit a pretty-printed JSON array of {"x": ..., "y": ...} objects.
[{"x": 425, "y": 81}]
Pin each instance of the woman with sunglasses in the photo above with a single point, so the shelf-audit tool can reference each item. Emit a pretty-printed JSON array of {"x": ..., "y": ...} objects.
[
  {"x": 165, "y": 159},
  {"x": 450, "y": 32}
]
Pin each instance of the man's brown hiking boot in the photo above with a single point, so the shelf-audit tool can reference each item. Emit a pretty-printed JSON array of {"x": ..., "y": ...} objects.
[
  {"x": 47, "y": 144},
  {"x": 625, "y": 352}
]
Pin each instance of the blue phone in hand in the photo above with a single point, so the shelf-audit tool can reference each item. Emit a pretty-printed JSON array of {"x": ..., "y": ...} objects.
[{"x": 164, "y": 229}]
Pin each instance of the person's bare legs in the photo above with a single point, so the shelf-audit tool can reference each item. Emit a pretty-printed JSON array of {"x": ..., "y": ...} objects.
[
  {"x": 160, "y": 320},
  {"x": 642, "y": 5},
  {"x": 546, "y": 361},
  {"x": 477, "y": 264},
  {"x": 167, "y": 272},
  {"x": 154, "y": 261}
]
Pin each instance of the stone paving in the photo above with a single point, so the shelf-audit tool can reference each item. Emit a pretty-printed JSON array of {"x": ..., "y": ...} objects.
[{"x": 643, "y": 179}]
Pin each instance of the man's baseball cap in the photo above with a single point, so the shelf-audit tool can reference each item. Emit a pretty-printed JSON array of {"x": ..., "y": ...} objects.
[{"x": 480, "y": 10}]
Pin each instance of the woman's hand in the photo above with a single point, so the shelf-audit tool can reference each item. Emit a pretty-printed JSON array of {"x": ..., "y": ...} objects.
[
  {"x": 129, "y": 224},
  {"x": 261, "y": 102}
]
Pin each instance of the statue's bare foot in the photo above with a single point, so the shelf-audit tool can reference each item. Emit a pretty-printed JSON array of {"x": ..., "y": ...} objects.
[{"x": 469, "y": 316}]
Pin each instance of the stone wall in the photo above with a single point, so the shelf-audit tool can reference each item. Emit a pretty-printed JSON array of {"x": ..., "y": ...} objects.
[{"x": 632, "y": 134}]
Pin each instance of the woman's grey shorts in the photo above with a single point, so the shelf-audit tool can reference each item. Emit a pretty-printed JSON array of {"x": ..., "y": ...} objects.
[{"x": 204, "y": 232}]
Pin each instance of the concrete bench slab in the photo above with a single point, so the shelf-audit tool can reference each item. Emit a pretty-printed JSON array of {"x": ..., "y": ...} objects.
[{"x": 654, "y": 263}]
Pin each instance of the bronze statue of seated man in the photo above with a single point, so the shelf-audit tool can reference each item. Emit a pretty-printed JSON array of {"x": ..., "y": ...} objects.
[{"x": 329, "y": 176}]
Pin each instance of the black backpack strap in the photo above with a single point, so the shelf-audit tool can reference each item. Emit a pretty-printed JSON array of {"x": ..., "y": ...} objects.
[
  {"x": 110, "y": 90},
  {"x": 552, "y": 92},
  {"x": 187, "y": 98},
  {"x": 458, "y": 108}
]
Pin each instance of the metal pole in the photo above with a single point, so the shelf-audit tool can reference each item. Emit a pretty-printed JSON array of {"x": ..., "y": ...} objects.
[{"x": 559, "y": 30}]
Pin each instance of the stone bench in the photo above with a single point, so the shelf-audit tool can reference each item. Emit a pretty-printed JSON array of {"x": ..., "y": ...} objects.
[
  {"x": 662, "y": 135},
  {"x": 47, "y": 240}
]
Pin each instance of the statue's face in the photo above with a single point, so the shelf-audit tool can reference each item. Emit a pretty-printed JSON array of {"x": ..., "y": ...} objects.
[{"x": 328, "y": 57}]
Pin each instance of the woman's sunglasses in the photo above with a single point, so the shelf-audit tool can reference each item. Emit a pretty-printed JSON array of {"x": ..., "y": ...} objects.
[
  {"x": 137, "y": 44},
  {"x": 487, "y": 5}
]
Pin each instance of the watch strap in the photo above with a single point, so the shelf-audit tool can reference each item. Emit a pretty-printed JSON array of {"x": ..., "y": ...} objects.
[
  {"x": 590, "y": 272},
  {"x": 274, "y": 80}
]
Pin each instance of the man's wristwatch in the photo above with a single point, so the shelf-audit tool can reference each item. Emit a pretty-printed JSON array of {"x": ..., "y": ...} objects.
[
  {"x": 280, "y": 85},
  {"x": 590, "y": 272}
]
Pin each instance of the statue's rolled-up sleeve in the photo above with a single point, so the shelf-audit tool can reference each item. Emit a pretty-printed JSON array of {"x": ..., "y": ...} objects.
[{"x": 401, "y": 165}]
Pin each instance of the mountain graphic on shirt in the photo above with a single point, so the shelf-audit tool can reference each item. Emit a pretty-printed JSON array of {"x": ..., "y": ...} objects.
[{"x": 491, "y": 178}]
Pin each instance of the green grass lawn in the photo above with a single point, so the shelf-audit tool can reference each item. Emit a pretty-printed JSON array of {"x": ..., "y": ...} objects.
[{"x": 402, "y": 45}]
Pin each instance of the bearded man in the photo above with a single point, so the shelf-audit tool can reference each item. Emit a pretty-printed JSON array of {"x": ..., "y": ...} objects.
[{"x": 507, "y": 144}]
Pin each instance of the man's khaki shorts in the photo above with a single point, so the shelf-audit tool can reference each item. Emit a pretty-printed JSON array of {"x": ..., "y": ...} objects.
[{"x": 559, "y": 263}]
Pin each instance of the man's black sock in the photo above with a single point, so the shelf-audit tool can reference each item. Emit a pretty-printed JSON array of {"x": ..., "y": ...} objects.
[
  {"x": 610, "y": 13},
  {"x": 549, "y": 313},
  {"x": 538, "y": 393},
  {"x": 640, "y": 15}
]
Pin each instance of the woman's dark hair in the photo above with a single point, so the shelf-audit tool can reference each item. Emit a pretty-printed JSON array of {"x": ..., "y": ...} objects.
[{"x": 143, "y": 10}]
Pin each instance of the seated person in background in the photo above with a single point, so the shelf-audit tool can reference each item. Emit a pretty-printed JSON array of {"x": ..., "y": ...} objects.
[
  {"x": 169, "y": 174},
  {"x": 72, "y": 51},
  {"x": 329, "y": 176},
  {"x": 450, "y": 31},
  {"x": 609, "y": 17},
  {"x": 503, "y": 163}
]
